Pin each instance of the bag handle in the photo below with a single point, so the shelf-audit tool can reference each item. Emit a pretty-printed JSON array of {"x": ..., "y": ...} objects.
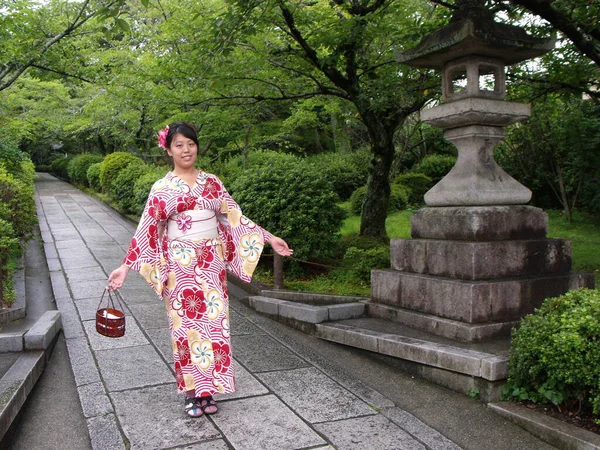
[{"x": 111, "y": 301}]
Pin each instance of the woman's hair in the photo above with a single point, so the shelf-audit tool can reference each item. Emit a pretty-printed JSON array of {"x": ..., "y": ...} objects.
[{"x": 183, "y": 128}]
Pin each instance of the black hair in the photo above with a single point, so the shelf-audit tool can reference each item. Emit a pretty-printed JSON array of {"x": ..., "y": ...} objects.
[{"x": 183, "y": 128}]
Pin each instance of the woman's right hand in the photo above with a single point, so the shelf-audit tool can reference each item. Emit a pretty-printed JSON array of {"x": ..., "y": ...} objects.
[{"x": 117, "y": 278}]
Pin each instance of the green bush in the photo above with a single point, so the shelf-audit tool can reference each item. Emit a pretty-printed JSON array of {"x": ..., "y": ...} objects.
[
  {"x": 398, "y": 199},
  {"x": 93, "y": 176},
  {"x": 11, "y": 158},
  {"x": 17, "y": 204},
  {"x": 346, "y": 171},
  {"x": 294, "y": 200},
  {"x": 121, "y": 189},
  {"x": 417, "y": 183},
  {"x": 234, "y": 168},
  {"x": 112, "y": 165},
  {"x": 79, "y": 165},
  {"x": 435, "y": 166},
  {"x": 365, "y": 260},
  {"x": 555, "y": 353},
  {"x": 59, "y": 167},
  {"x": 142, "y": 187}
]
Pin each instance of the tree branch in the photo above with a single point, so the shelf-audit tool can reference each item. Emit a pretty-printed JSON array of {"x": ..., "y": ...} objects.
[
  {"x": 60, "y": 72},
  {"x": 558, "y": 84}
]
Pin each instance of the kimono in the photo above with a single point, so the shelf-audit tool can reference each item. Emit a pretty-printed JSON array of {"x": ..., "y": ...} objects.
[{"x": 190, "y": 275}]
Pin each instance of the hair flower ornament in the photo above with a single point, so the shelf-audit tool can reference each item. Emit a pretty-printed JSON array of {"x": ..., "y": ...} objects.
[{"x": 162, "y": 137}]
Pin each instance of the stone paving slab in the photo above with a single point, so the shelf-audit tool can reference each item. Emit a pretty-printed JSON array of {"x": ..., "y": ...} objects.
[
  {"x": 132, "y": 367},
  {"x": 104, "y": 433},
  {"x": 166, "y": 408},
  {"x": 88, "y": 288},
  {"x": 240, "y": 325},
  {"x": 314, "y": 396},
  {"x": 218, "y": 444},
  {"x": 278, "y": 427},
  {"x": 82, "y": 361},
  {"x": 161, "y": 338},
  {"x": 87, "y": 308},
  {"x": 150, "y": 315},
  {"x": 371, "y": 432},
  {"x": 86, "y": 274},
  {"x": 246, "y": 385},
  {"x": 261, "y": 353},
  {"x": 94, "y": 400}
]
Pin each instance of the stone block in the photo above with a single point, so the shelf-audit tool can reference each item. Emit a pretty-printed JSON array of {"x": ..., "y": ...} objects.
[
  {"x": 43, "y": 332},
  {"x": 104, "y": 433},
  {"x": 94, "y": 401},
  {"x": 471, "y": 301},
  {"x": 261, "y": 353},
  {"x": 348, "y": 335},
  {"x": 303, "y": 313},
  {"x": 265, "y": 305},
  {"x": 346, "y": 311},
  {"x": 11, "y": 341},
  {"x": 495, "y": 368},
  {"x": 481, "y": 260},
  {"x": 479, "y": 223}
]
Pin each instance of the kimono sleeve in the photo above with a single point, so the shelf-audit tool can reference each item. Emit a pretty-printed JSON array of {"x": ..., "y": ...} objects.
[
  {"x": 243, "y": 239},
  {"x": 145, "y": 250}
]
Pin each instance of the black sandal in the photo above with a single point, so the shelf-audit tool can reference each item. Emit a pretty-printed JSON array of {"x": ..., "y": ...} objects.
[
  {"x": 208, "y": 405},
  {"x": 192, "y": 407}
]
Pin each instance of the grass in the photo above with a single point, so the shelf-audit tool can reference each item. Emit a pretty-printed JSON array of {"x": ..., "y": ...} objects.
[{"x": 583, "y": 231}]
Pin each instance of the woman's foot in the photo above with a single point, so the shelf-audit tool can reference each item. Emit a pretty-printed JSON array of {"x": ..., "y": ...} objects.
[
  {"x": 192, "y": 407},
  {"x": 208, "y": 405}
]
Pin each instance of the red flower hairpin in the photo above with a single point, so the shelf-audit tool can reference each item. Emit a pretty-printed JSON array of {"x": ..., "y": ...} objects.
[{"x": 162, "y": 137}]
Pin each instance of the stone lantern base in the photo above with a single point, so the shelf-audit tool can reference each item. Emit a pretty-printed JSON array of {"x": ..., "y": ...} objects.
[{"x": 472, "y": 272}]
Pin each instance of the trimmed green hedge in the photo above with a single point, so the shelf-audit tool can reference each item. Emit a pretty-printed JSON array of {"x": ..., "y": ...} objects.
[
  {"x": 79, "y": 165},
  {"x": 398, "y": 199},
  {"x": 435, "y": 166},
  {"x": 112, "y": 165},
  {"x": 93, "y": 176},
  {"x": 555, "y": 353}
]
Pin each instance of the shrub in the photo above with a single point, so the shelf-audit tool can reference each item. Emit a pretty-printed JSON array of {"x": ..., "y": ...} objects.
[
  {"x": 112, "y": 165},
  {"x": 79, "y": 165},
  {"x": 234, "y": 168},
  {"x": 555, "y": 356},
  {"x": 122, "y": 188},
  {"x": 398, "y": 199},
  {"x": 346, "y": 171},
  {"x": 377, "y": 257},
  {"x": 435, "y": 166},
  {"x": 292, "y": 199},
  {"x": 142, "y": 187},
  {"x": 18, "y": 204},
  {"x": 59, "y": 167},
  {"x": 11, "y": 158},
  {"x": 93, "y": 176},
  {"x": 417, "y": 183}
]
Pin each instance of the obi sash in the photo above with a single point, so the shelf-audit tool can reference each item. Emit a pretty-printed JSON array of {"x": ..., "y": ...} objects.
[{"x": 193, "y": 225}]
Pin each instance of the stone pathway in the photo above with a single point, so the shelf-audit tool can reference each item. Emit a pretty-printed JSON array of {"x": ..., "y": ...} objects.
[{"x": 287, "y": 397}]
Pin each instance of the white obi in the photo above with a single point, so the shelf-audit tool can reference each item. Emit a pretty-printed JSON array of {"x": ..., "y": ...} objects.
[{"x": 193, "y": 225}]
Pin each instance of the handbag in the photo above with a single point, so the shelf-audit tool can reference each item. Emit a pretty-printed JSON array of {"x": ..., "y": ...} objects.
[{"x": 110, "y": 320}]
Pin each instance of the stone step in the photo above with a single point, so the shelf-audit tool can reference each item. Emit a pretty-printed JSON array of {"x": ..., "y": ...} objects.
[
  {"x": 452, "y": 329},
  {"x": 488, "y": 360}
]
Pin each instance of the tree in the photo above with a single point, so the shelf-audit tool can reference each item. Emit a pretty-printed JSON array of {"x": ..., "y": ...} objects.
[{"x": 277, "y": 50}]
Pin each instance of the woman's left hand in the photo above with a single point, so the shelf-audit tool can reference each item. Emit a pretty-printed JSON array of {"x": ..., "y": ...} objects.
[{"x": 280, "y": 246}]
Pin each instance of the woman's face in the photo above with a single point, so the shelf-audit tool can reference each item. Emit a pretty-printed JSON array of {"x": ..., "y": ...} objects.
[{"x": 183, "y": 151}]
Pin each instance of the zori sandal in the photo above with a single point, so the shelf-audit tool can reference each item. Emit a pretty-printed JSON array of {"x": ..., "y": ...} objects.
[
  {"x": 208, "y": 405},
  {"x": 192, "y": 407}
]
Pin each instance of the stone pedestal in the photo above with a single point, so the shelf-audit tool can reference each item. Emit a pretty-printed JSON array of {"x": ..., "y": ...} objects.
[{"x": 474, "y": 270}]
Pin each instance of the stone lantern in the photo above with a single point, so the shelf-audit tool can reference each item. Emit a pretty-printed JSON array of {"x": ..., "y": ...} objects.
[{"x": 479, "y": 259}]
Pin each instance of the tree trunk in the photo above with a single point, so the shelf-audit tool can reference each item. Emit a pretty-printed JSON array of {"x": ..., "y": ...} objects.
[{"x": 377, "y": 197}]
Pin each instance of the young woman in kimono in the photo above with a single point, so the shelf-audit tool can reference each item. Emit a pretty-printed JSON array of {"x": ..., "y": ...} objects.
[{"x": 190, "y": 232}]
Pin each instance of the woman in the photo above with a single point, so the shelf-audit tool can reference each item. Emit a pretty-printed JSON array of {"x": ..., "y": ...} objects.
[{"x": 190, "y": 232}]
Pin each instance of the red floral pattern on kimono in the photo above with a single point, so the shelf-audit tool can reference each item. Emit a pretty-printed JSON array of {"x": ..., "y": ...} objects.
[{"x": 189, "y": 275}]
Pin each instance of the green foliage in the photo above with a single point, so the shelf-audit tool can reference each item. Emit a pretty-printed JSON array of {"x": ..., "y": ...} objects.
[
  {"x": 112, "y": 165},
  {"x": 238, "y": 165},
  {"x": 60, "y": 167},
  {"x": 364, "y": 260},
  {"x": 93, "y": 176},
  {"x": 399, "y": 196},
  {"x": 121, "y": 189},
  {"x": 555, "y": 356},
  {"x": 347, "y": 171},
  {"x": 142, "y": 187},
  {"x": 417, "y": 183},
  {"x": 293, "y": 200},
  {"x": 79, "y": 165},
  {"x": 435, "y": 166},
  {"x": 10, "y": 157},
  {"x": 17, "y": 204}
]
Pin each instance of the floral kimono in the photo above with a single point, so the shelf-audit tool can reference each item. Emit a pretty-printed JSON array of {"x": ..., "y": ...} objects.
[{"x": 190, "y": 275}]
